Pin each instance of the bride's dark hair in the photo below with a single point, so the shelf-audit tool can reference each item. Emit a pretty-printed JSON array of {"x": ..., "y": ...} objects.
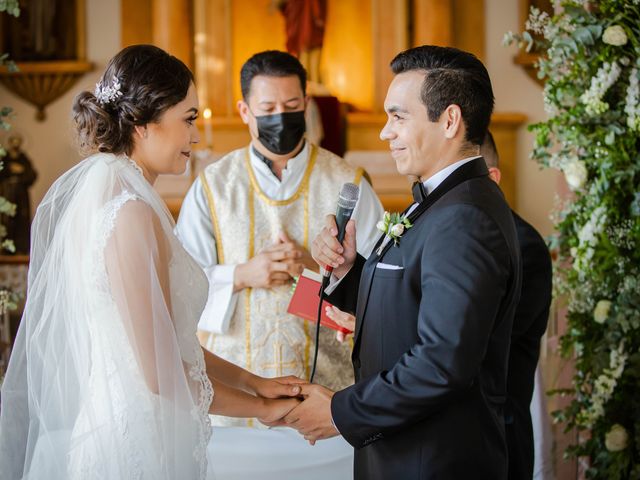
[{"x": 149, "y": 81}]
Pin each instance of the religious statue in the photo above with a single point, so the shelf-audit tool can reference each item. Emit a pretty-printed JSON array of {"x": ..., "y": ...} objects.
[
  {"x": 305, "y": 23},
  {"x": 16, "y": 177}
]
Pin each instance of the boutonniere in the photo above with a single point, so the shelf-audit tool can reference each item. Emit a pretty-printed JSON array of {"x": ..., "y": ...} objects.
[{"x": 393, "y": 225}]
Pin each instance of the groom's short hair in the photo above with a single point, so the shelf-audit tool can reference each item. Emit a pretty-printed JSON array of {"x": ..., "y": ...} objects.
[{"x": 452, "y": 77}]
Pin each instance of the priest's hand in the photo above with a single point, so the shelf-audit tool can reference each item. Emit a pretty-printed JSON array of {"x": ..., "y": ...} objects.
[
  {"x": 273, "y": 411},
  {"x": 275, "y": 265},
  {"x": 312, "y": 418},
  {"x": 327, "y": 251},
  {"x": 305, "y": 260},
  {"x": 344, "y": 319},
  {"x": 288, "y": 386}
]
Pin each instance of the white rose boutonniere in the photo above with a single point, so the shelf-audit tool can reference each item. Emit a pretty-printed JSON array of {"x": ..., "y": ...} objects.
[
  {"x": 393, "y": 225},
  {"x": 614, "y": 35}
]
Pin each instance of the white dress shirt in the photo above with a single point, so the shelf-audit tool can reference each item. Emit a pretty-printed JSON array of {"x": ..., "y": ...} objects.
[{"x": 434, "y": 181}]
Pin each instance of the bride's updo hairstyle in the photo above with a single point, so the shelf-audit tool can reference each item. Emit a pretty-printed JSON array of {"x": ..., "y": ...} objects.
[{"x": 138, "y": 86}]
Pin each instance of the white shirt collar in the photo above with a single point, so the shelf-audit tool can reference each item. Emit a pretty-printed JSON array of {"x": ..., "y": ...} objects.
[
  {"x": 292, "y": 175},
  {"x": 431, "y": 183},
  {"x": 294, "y": 164}
]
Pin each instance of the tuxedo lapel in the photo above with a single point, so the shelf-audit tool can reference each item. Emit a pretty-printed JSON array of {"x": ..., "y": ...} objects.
[
  {"x": 366, "y": 281},
  {"x": 472, "y": 169}
]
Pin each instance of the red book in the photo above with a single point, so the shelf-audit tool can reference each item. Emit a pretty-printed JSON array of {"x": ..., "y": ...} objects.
[{"x": 305, "y": 298}]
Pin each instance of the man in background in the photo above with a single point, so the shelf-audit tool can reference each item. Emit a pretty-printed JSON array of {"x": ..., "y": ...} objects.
[{"x": 529, "y": 325}]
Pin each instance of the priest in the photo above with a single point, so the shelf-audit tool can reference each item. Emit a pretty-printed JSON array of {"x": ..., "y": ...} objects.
[{"x": 248, "y": 219}]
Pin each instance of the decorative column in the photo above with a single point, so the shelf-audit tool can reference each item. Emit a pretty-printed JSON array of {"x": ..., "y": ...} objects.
[
  {"x": 432, "y": 22},
  {"x": 172, "y": 28}
]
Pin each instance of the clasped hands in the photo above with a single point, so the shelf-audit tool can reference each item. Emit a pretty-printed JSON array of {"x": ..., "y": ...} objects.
[
  {"x": 309, "y": 413},
  {"x": 275, "y": 265}
]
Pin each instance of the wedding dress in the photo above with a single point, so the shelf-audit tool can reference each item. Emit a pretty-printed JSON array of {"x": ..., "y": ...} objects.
[{"x": 107, "y": 379}]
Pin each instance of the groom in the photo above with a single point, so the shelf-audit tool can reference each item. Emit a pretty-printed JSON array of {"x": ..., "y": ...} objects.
[{"x": 434, "y": 310}]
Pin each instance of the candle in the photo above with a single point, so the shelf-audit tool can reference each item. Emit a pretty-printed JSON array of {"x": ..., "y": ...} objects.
[{"x": 208, "y": 131}]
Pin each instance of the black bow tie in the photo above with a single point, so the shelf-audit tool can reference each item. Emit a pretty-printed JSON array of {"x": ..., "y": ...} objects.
[{"x": 419, "y": 192}]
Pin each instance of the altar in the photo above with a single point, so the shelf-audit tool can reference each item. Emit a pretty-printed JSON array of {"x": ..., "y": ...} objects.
[{"x": 227, "y": 454}]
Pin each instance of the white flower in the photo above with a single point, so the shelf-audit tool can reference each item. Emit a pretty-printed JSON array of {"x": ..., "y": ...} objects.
[
  {"x": 614, "y": 35},
  {"x": 632, "y": 103},
  {"x": 393, "y": 226},
  {"x": 397, "y": 229},
  {"x": 604, "y": 386},
  {"x": 606, "y": 76},
  {"x": 601, "y": 312},
  {"x": 616, "y": 439},
  {"x": 588, "y": 234},
  {"x": 575, "y": 172},
  {"x": 537, "y": 21}
]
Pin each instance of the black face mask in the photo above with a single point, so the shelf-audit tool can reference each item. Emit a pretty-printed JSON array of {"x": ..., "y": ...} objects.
[{"x": 280, "y": 133}]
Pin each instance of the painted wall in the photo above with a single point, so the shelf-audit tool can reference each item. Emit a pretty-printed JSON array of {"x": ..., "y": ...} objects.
[
  {"x": 51, "y": 147},
  {"x": 515, "y": 91},
  {"x": 50, "y": 144}
]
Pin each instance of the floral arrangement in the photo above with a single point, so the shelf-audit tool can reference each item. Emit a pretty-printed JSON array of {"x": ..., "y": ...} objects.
[
  {"x": 7, "y": 298},
  {"x": 590, "y": 62},
  {"x": 6, "y": 208}
]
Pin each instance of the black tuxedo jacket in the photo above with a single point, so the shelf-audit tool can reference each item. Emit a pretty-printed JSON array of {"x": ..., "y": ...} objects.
[
  {"x": 432, "y": 339},
  {"x": 529, "y": 324}
]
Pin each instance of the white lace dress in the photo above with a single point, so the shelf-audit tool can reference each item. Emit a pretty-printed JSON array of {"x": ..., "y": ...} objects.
[{"x": 107, "y": 359}]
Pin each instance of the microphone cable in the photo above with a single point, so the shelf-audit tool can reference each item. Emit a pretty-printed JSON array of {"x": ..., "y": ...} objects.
[{"x": 323, "y": 285}]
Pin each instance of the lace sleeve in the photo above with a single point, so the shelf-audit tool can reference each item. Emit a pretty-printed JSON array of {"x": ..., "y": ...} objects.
[{"x": 137, "y": 257}]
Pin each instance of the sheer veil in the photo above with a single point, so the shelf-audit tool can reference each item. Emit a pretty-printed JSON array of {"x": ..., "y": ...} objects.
[{"x": 107, "y": 377}]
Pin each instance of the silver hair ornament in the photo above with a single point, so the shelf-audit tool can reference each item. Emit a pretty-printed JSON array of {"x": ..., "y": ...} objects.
[{"x": 107, "y": 94}]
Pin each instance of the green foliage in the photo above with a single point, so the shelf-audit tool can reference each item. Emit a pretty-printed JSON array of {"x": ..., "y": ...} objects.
[
  {"x": 6, "y": 207},
  {"x": 590, "y": 61},
  {"x": 12, "y": 7}
]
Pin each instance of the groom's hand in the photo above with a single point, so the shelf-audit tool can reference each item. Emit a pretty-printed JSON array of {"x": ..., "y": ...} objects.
[
  {"x": 327, "y": 251},
  {"x": 312, "y": 418}
]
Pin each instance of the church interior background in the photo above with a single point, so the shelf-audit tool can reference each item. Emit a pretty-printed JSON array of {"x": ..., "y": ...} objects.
[{"x": 214, "y": 38}]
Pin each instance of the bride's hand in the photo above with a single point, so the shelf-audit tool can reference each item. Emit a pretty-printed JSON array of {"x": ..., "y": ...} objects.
[
  {"x": 288, "y": 386},
  {"x": 274, "y": 411}
]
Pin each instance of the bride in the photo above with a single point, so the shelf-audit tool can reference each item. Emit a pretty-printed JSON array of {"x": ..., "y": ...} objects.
[{"x": 107, "y": 379}]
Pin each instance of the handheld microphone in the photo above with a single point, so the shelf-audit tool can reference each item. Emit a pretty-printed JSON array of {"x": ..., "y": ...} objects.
[{"x": 346, "y": 203}]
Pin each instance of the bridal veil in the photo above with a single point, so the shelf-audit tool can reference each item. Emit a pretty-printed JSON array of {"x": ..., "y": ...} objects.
[{"x": 107, "y": 378}]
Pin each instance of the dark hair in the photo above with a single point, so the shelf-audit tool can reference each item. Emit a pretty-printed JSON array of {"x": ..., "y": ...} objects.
[
  {"x": 489, "y": 151},
  {"x": 272, "y": 63},
  {"x": 452, "y": 77},
  {"x": 151, "y": 81}
]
